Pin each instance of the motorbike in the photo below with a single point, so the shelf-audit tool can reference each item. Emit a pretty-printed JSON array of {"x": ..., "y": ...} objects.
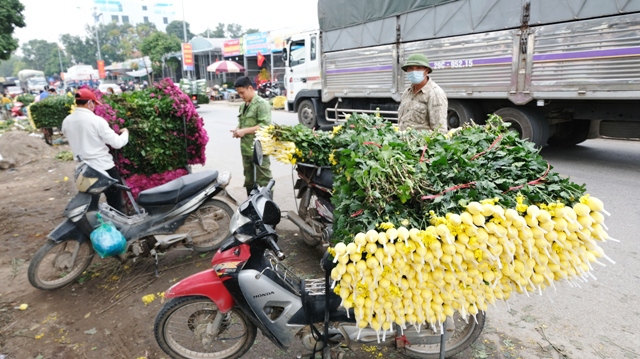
[
  {"x": 266, "y": 90},
  {"x": 194, "y": 100},
  {"x": 194, "y": 210},
  {"x": 315, "y": 211},
  {"x": 216, "y": 313}
]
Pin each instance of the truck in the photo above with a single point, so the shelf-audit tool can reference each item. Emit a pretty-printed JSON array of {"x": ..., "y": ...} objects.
[
  {"x": 32, "y": 81},
  {"x": 560, "y": 71},
  {"x": 79, "y": 75}
]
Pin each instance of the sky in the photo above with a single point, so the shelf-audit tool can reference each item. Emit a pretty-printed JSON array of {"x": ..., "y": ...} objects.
[{"x": 48, "y": 19}]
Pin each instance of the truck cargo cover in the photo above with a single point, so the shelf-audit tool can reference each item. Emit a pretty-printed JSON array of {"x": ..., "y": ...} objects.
[{"x": 337, "y": 14}]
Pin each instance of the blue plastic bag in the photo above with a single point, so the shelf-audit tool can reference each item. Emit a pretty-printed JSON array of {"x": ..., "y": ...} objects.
[{"x": 107, "y": 240}]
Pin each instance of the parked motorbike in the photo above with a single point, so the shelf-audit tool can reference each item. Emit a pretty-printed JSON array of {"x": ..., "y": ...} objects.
[
  {"x": 194, "y": 210},
  {"x": 216, "y": 313},
  {"x": 266, "y": 90},
  {"x": 315, "y": 211},
  {"x": 194, "y": 100}
]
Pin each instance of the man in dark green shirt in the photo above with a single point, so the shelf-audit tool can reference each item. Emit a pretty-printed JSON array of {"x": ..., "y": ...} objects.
[{"x": 254, "y": 112}]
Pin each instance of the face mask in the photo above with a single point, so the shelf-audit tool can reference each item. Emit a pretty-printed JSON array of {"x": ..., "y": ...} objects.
[{"x": 416, "y": 77}]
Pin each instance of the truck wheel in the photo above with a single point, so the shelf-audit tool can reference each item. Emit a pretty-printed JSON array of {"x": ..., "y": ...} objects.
[
  {"x": 528, "y": 123},
  {"x": 307, "y": 114},
  {"x": 570, "y": 133},
  {"x": 462, "y": 112}
]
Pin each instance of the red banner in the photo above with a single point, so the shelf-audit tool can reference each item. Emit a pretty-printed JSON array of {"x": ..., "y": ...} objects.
[
  {"x": 101, "y": 72},
  {"x": 187, "y": 57},
  {"x": 260, "y": 59}
]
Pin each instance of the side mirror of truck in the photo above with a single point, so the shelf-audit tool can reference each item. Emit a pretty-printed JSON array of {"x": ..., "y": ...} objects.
[{"x": 285, "y": 55}]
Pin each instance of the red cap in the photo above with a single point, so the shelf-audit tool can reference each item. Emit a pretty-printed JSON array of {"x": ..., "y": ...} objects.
[{"x": 86, "y": 95}]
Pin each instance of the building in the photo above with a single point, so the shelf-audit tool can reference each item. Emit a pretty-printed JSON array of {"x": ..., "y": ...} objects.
[{"x": 159, "y": 12}]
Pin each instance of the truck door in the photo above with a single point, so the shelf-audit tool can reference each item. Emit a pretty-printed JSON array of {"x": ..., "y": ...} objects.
[{"x": 297, "y": 74}]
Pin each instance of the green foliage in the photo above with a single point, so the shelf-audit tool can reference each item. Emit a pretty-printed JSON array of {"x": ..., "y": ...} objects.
[
  {"x": 51, "y": 111},
  {"x": 203, "y": 99},
  {"x": 45, "y": 56},
  {"x": 11, "y": 17},
  {"x": 311, "y": 147},
  {"x": 156, "y": 46},
  {"x": 384, "y": 175},
  {"x": 83, "y": 50},
  {"x": 64, "y": 156},
  {"x": 156, "y": 141},
  {"x": 234, "y": 30},
  {"x": 11, "y": 66},
  {"x": 176, "y": 28},
  {"x": 26, "y": 99}
]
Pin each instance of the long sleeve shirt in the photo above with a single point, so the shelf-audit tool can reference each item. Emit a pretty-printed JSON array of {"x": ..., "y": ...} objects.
[
  {"x": 89, "y": 135},
  {"x": 425, "y": 110}
]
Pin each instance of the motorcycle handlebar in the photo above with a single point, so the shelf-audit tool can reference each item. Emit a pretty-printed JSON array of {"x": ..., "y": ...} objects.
[
  {"x": 270, "y": 185},
  {"x": 122, "y": 187},
  {"x": 274, "y": 246}
]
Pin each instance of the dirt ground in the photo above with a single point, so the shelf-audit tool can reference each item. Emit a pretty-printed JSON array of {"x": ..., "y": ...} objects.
[{"x": 102, "y": 314}]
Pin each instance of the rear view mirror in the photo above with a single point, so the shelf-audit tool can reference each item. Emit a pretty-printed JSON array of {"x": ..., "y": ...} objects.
[
  {"x": 285, "y": 55},
  {"x": 271, "y": 215},
  {"x": 257, "y": 153}
]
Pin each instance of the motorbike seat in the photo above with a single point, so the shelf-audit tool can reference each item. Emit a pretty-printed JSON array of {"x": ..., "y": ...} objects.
[{"x": 177, "y": 190}]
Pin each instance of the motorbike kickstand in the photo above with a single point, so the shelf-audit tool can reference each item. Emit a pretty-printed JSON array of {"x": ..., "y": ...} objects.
[{"x": 155, "y": 255}]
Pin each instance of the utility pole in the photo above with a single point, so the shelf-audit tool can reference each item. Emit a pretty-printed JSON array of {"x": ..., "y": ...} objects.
[
  {"x": 95, "y": 20},
  {"x": 60, "y": 57}
]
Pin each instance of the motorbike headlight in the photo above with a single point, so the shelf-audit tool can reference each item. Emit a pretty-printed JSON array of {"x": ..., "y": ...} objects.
[{"x": 237, "y": 221}]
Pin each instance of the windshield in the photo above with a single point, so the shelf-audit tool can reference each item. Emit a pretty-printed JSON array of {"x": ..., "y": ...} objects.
[
  {"x": 297, "y": 53},
  {"x": 37, "y": 80}
]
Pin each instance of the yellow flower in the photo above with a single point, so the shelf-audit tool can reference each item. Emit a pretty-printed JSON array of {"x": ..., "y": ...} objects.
[
  {"x": 521, "y": 207},
  {"x": 332, "y": 159},
  {"x": 386, "y": 225},
  {"x": 337, "y": 129},
  {"x": 147, "y": 299},
  {"x": 404, "y": 222}
]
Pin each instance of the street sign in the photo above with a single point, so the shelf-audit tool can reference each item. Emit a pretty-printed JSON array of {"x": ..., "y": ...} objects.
[{"x": 187, "y": 57}]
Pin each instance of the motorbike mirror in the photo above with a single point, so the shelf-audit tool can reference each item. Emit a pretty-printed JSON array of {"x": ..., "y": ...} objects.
[
  {"x": 271, "y": 214},
  {"x": 257, "y": 153}
]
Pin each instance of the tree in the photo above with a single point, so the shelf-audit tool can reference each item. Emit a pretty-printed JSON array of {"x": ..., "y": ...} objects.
[
  {"x": 43, "y": 55},
  {"x": 78, "y": 49},
  {"x": 156, "y": 46},
  {"x": 251, "y": 31},
  {"x": 176, "y": 28},
  {"x": 11, "y": 17},
  {"x": 36, "y": 53},
  {"x": 219, "y": 31},
  {"x": 234, "y": 30},
  {"x": 11, "y": 66}
]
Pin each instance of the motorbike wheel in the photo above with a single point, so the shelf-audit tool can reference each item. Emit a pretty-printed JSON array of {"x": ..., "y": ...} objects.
[
  {"x": 182, "y": 330},
  {"x": 53, "y": 267},
  {"x": 463, "y": 337},
  {"x": 209, "y": 225},
  {"x": 303, "y": 212}
]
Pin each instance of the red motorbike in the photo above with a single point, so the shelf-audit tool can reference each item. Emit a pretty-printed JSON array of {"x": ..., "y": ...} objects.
[{"x": 216, "y": 313}]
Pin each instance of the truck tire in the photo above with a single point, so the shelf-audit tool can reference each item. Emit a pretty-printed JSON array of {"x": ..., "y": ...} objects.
[
  {"x": 570, "y": 133},
  {"x": 527, "y": 122},
  {"x": 307, "y": 114},
  {"x": 462, "y": 112}
]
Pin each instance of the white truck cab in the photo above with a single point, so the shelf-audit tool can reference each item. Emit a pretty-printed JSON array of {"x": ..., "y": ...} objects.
[{"x": 302, "y": 79}]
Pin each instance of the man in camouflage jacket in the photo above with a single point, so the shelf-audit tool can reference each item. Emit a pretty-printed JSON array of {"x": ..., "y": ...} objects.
[
  {"x": 254, "y": 112},
  {"x": 423, "y": 105}
]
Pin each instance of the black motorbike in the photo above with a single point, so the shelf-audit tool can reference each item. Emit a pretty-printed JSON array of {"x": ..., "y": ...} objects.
[
  {"x": 315, "y": 211},
  {"x": 266, "y": 90},
  {"x": 194, "y": 210}
]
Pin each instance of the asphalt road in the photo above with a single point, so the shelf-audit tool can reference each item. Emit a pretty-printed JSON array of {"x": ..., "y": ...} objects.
[{"x": 598, "y": 320}]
